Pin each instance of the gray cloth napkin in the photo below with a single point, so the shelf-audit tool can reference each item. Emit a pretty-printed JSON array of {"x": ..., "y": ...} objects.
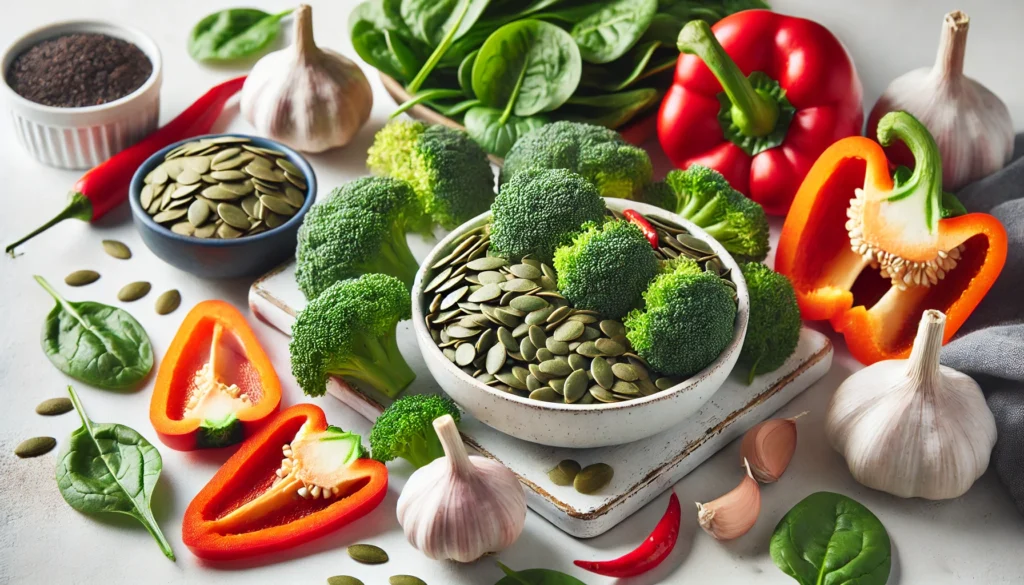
[{"x": 990, "y": 345}]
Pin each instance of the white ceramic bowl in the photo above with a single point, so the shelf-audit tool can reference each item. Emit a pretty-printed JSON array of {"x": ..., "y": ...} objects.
[
  {"x": 81, "y": 138},
  {"x": 572, "y": 425}
]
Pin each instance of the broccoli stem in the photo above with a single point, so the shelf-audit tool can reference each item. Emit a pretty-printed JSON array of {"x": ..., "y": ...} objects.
[
  {"x": 423, "y": 449},
  {"x": 379, "y": 363},
  {"x": 396, "y": 259}
]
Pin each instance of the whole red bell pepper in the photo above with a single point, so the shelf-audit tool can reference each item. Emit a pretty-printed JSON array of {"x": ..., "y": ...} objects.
[
  {"x": 296, "y": 480},
  {"x": 758, "y": 101}
]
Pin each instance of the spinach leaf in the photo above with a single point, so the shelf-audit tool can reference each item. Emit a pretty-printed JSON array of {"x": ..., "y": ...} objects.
[
  {"x": 98, "y": 344},
  {"x": 664, "y": 28},
  {"x": 234, "y": 33},
  {"x": 611, "y": 110},
  {"x": 460, "y": 15},
  {"x": 623, "y": 72},
  {"x": 712, "y": 12},
  {"x": 455, "y": 109},
  {"x": 381, "y": 39},
  {"x": 830, "y": 538},
  {"x": 607, "y": 34},
  {"x": 536, "y": 577},
  {"x": 111, "y": 468},
  {"x": 495, "y": 133},
  {"x": 528, "y": 66},
  {"x": 466, "y": 72}
]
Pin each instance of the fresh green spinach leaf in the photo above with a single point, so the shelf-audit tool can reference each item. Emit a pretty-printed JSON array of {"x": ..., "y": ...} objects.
[
  {"x": 460, "y": 15},
  {"x": 712, "y": 12},
  {"x": 536, "y": 577},
  {"x": 495, "y": 133},
  {"x": 664, "y": 28},
  {"x": 235, "y": 33},
  {"x": 527, "y": 67},
  {"x": 382, "y": 40},
  {"x": 466, "y": 72},
  {"x": 607, "y": 34},
  {"x": 611, "y": 110},
  {"x": 623, "y": 72},
  {"x": 111, "y": 468},
  {"x": 830, "y": 538},
  {"x": 100, "y": 345}
]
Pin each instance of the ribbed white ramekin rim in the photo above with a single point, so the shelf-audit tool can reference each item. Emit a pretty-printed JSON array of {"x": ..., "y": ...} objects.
[{"x": 79, "y": 138}]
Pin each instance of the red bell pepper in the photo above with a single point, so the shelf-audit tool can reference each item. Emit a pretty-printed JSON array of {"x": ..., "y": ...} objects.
[
  {"x": 216, "y": 385},
  {"x": 296, "y": 480},
  {"x": 758, "y": 101}
]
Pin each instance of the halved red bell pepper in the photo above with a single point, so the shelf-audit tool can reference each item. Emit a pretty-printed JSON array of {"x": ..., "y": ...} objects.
[
  {"x": 216, "y": 385},
  {"x": 296, "y": 480},
  {"x": 870, "y": 251},
  {"x": 758, "y": 101}
]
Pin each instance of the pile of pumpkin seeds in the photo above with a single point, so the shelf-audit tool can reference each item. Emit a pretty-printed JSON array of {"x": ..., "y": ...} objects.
[
  {"x": 224, "y": 188},
  {"x": 506, "y": 324}
]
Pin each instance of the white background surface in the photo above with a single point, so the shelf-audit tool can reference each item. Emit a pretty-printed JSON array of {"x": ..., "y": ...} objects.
[{"x": 975, "y": 539}]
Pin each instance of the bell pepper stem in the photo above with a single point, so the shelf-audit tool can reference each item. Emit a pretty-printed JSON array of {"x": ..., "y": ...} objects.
[
  {"x": 79, "y": 207},
  {"x": 751, "y": 113},
  {"x": 926, "y": 180}
]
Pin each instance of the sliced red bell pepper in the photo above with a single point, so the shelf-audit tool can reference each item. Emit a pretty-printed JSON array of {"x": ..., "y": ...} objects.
[
  {"x": 216, "y": 385},
  {"x": 296, "y": 480},
  {"x": 758, "y": 100}
]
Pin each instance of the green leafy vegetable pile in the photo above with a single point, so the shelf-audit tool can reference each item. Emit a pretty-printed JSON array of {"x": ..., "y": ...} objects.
[{"x": 504, "y": 67}]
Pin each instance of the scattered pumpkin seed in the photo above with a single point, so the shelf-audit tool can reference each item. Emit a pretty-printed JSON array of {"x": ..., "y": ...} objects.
[
  {"x": 564, "y": 473},
  {"x": 35, "y": 447},
  {"x": 133, "y": 291},
  {"x": 367, "y": 554},
  {"x": 81, "y": 277},
  {"x": 405, "y": 580},
  {"x": 168, "y": 302},
  {"x": 117, "y": 249},
  {"x": 54, "y": 406},
  {"x": 592, "y": 478},
  {"x": 343, "y": 580}
]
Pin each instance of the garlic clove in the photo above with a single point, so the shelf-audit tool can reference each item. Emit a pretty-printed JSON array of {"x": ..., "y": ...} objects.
[
  {"x": 769, "y": 446},
  {"x": 734, "y": 514}
]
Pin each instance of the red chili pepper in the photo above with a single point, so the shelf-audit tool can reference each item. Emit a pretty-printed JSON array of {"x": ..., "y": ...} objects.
[
  {"x": 649, "y": 554},
  {"x": 105, "y": 186},
  {"x": 645, "y": 226}
]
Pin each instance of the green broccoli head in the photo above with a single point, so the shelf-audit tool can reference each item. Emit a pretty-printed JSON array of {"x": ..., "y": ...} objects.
[
  {"x": 540, "y": 209},
  {"x": 449, "y": 172},
  {"x": 774, "y": 327},
  {"x": 606, "y": 268},
  {"x": 360, "y": 228},
  {"x": 660, "y": 195},
  {"x": 686, "y": 323},
  {"x": 617, "y": 168},
  {"x": 405, "y": 429},
  {"x": 349, "y": 330},
  {"x": 704, "y": 197}
]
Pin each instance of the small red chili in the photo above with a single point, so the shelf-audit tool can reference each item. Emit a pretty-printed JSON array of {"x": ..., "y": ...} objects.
[
  {"x": 105, "y": 186},
  {"x": 649, "y": 554},
  {"x": 645, "y": 226}
]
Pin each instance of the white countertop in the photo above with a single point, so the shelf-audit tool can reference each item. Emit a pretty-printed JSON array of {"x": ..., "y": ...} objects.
[{"x": 977, "y": 538}]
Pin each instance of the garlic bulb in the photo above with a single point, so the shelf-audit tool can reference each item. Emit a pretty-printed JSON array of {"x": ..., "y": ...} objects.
[
  {"x": 769, "y": 446},
  {"x": 911, "y": 427},
  {"x": 461, "y": 507},
  {"x": 734, "y": 514},
  {"x": 971, "y": 125},
  {"x": 309, "y": 98}
]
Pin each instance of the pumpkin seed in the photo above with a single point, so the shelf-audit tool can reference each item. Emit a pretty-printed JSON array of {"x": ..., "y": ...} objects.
[
  {"x": 575, "y": 386},
  {"x": 169, "y": 215},
  {"x": 545, "y": 394},
  {"x": 496, "y": 357},
  {"x": 625, "y": 388},
  {"x": 487, "y": 292},
  {"x": 198, "y": 213},
  {"x": 568, "y": 331},
  {"x": 55, "y": 406},
  {"x": 664, "y": 383},
  {"x": 564, "y": 473},
  {"x": 405, "y": 580},
  {"x": 624, "y": 372},
  {"x": 81, "y": 277},
  {"x": 35, "y": 447},
  {"x": 487, "y": 263},
  {"x": 539, "y": 316},
  {"x": 343, "y": 580},
  {"x": 133, "y": 291},
  {"x": 592, "y": 478},
  {"x": 168, "y": 302},
  {"x": 578, "y": 362},
  {"x": 525, "y": 271},
  {"x": 612, "y": 328},
  {"x": 602, "y": 372},
  {"x": 367, "y": 554},
  {"x": 465, "y": 354},
  {"x": 555, "y": 367},
  {"x": 610, "y": 347},
  {"x": 117, "y": 249}
]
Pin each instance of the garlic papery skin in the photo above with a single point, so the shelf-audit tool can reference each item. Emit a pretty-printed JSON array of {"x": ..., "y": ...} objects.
[
  {"x": 971, "y": 125},
  {"x": 769, "y": 446},
  {"x": 461, "y": 507},
  {"x": 913, "y": 428},
  {"x": 309, "y": 98},
  {"x": 734, "y": 514}
]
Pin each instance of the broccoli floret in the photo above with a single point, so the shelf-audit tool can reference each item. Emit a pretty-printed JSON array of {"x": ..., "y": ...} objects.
[
  {"x": 660, "y": 195},
  {"x": 360, "y": 228},
  {"x": 405, "y": 429},
  {"x": 540, "y": 209},
  {"x": 449, "y": 172},
  {"x": 687, "y": 322},
  {"x": 606, "y": 268},
  {"x": 600, "y": 155},
  {"x": 349, "y": 330},
  {"x": 706, "y": 198},
  {"x": 774, "y": 327}
]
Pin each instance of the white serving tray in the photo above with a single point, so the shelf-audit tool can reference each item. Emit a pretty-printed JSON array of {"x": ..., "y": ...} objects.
[{"x": 643, "y": 469}]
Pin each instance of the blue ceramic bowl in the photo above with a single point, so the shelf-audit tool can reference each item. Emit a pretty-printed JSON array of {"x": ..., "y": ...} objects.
[{"x": 215, "y": 258}]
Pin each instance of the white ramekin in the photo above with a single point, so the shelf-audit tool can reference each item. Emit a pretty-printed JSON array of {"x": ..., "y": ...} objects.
[{"x": 81, "y": 138}]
